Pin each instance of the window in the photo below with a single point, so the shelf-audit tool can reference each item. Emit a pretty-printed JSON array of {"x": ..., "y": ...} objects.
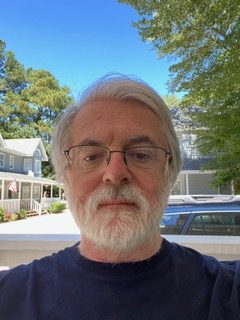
[
  {"x": 11, "y": 162},
  {"x": 223, "y": 223},
  {"x": 37, "y": 153},
  {"x": 2, "y": 160},
  {"x": 172, "y": 224},
  {"x": 36, "y": 192},
  {"x": 27, "y": 165},
  {"x": 37, "y": 166},
  {"x": 26, "y": 192}
]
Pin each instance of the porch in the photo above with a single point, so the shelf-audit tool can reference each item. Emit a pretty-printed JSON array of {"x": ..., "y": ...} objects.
[
  {"x": 33, "y": 194},
  {"x": 32, "y": 206}
]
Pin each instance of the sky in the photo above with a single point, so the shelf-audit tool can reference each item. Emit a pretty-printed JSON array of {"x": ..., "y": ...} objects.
[{"x": 79, "y": 41}]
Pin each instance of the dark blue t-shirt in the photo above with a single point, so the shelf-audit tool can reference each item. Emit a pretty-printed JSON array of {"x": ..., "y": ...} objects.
[{"x": 177, "y": 283}]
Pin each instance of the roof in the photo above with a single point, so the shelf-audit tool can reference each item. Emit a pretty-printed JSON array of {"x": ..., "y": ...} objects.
[
  {"x": 202, "y": 199},
  {"x": 2, "y": 143},
  {"x": 26, "y": 178},
  {"x": 26, "y": 147},
  {"x": 205, "y": 207}
]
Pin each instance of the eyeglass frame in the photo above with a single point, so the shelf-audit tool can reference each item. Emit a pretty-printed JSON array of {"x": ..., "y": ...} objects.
[{"x": 124, "y": 152}]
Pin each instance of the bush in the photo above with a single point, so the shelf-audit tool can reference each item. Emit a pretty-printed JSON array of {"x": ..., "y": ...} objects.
[
  {"x": 57, "y": 207},
  {"x": 22, "y": 214},
  {"x": 13, "y": 217},
  {"x": 1, "y": 215},
  {"x": 6, "y": 216}
]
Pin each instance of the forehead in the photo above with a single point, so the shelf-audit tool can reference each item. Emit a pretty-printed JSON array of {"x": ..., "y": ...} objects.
[{"x": 109, "y": 120}]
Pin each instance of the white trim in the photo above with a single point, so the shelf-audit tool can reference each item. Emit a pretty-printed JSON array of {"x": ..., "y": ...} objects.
[
  {"x": 187, "y": 182},
  {"x": 3, "y": 188},
  {"x": 2, "y": 142}
]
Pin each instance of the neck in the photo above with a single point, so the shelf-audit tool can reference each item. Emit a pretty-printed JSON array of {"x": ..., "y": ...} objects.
[{"x": 91, "y": 251}]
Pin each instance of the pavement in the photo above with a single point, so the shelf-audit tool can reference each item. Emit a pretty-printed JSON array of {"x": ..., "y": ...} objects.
[{"x": 60, "y": 224}]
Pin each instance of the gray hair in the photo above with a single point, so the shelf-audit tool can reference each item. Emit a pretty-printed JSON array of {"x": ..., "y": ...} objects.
[{"x": 116, "y": 88}]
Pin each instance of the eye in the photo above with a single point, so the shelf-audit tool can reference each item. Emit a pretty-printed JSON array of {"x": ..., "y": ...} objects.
[
  {"x": 140, "y": 155},
  {"x": 91, "y": 156}
]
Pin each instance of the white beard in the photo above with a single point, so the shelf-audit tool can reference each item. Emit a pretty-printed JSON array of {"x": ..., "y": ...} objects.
[{"x": 120, "y": 229}]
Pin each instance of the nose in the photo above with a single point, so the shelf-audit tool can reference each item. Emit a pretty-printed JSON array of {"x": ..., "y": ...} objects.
[{"x": 116, "y": 172}]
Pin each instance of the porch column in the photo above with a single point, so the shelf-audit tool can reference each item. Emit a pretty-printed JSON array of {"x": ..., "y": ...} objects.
[
  {"x": 3, "y": 187},
  {"x": 187, "y": 183},
  {"x": 232, "y": 188},
  {"x": 19, "y": 189},
  {"x": 31, "y": 195},
  {"x": 51, "y": 191},
  {"x": 41, "y": 191}
]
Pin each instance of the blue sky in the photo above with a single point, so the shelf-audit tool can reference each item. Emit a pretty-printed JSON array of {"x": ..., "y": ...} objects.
[{"x": 80, "y": 40}]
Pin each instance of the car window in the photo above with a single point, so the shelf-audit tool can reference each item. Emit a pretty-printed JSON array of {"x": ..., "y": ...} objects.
[
  {"x": 223, "y": 223},
  {"x": 172, "y": 224}
]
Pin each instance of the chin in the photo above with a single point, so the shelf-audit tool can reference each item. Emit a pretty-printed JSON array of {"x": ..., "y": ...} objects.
[{"x": 120, "y": 232}]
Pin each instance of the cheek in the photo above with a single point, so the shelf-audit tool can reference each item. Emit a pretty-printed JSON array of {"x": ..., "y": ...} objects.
[
  {"x": 151, "y": 184},
  {"x": 79, "y": 186}
]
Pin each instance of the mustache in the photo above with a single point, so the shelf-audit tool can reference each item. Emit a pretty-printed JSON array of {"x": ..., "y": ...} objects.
[{"x": 108, "y": 193}]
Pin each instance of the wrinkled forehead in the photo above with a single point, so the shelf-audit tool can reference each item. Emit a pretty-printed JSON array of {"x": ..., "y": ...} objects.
[
  {"x": 110, "y": 107},
  {"x": 121, "y": 118}
]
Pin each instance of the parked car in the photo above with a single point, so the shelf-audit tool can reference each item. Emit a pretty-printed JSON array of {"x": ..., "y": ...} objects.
[{"x": 202, "y": 215}]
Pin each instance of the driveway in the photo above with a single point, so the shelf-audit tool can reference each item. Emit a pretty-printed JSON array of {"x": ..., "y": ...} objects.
[{"x": 62, "y": 223}]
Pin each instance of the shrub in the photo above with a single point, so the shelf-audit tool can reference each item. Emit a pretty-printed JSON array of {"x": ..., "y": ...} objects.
[
  {"x": 22, "y": 214},
  {"x": 6, "y": 216},
  {"x": 1, "y": 215},
  {"x": 57, "y": 207},
  {"x": 13, "y": 217}
]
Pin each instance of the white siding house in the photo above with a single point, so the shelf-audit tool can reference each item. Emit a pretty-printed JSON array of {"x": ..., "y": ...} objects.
[
  {"x": 193, "y": 179},
  {"x": 21, "y": 182}
]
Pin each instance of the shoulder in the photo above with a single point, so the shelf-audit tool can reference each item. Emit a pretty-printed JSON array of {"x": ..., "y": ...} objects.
[
  {"x": 35, "y": 283},
  {"x": 37, "y": 271},
  {"x": 188, "y": 257}
]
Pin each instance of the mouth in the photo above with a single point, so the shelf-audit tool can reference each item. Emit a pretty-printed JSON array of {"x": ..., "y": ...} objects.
[{"x": 117, "y": 203}]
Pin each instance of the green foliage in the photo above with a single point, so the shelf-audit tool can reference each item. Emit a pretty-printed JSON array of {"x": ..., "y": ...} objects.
[
  {"x": 1, "y": 215},
  {"x": 202, "y": 39},
  {"x": 22, "y": 214},
  {"x": 171, "y": 101},
  {"x": 30, "y": 101},
  {"x": 57, "y": 207},
  {"x": 6, "y": 216}
]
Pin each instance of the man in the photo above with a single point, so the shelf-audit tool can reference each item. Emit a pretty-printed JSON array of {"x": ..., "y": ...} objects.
[{"x": 118, "y": 155}]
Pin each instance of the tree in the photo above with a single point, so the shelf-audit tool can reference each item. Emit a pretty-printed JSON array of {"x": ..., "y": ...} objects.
[
  {"x": 171, "y": 100},
  {"x": 12, "y": 82},
  {"x": 202, "y": 39},
  {"x": 30, "y": 101}
]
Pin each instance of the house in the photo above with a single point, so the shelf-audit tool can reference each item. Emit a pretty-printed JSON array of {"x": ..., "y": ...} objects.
[
  {"x": 193, "y": 179},
  {"x": 21, "y": 183}
]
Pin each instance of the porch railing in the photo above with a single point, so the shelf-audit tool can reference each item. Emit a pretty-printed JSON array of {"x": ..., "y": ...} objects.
[
  {"x": 15, "y": 205},
  {"x": 36, "y": 206},
  {"x": 11, "y": 206}
]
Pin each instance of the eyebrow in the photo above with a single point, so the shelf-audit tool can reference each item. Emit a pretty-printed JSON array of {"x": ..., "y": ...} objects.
[
  {"x": 130, "y": 141},
  {"x": 140, "y": 139},
  {"x": 90, "y": 142}
]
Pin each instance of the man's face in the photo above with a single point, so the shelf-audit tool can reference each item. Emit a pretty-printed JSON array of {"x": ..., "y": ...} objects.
[{"x": 115, "y": 205}]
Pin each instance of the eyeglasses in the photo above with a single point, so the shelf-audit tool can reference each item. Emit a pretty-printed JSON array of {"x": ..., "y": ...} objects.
[{"x": 88, "y": 158}]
